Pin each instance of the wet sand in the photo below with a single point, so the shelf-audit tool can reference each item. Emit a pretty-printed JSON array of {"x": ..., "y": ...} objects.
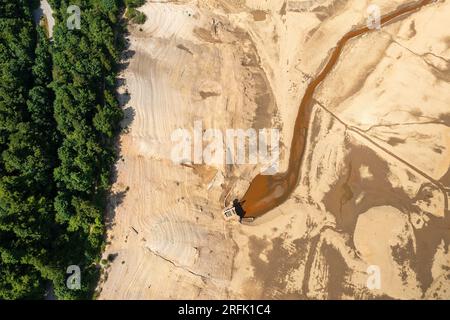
[{"x": 268, "y": 192}]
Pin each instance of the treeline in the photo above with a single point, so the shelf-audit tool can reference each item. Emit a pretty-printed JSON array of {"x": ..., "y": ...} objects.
[
  {"x": 58, "y": 119},
  {"x": 134, "y": 15},
  {"x": 87, "y": 116}
]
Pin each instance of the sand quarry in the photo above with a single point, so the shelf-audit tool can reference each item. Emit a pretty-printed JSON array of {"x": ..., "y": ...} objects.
[{"x": 375, "y": 178}]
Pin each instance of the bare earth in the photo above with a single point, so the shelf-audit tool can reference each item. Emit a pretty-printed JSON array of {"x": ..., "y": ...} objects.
[
  {"x": 44, "y": 12},
  {"x": 374, "y": 182}
]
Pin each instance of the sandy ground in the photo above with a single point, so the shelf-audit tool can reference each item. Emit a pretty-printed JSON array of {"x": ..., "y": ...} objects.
[
  {"x": 45, "y": 10},
  {"x": 374, "y": 183}
]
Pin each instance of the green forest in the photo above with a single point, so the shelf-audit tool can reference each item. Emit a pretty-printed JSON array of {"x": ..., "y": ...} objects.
[{"x": 58, "y": 122}]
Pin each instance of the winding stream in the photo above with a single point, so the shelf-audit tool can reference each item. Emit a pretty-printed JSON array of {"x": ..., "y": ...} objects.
[{"x": 268, "y": 192}]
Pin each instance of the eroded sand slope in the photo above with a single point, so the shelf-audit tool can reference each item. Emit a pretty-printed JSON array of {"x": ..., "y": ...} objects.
[{"x": 374, "y": 182}]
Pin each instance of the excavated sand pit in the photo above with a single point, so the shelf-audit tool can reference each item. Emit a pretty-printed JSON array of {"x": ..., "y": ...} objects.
[{"x": 373, "y": 181}]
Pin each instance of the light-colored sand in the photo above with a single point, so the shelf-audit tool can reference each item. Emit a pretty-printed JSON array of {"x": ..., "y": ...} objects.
[
  {"x": 45, "y": 10},
  {"x": 371, "y": 186}
]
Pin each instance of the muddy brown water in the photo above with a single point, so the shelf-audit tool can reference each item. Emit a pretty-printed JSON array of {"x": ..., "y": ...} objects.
[{"x": 268, "y": 192}]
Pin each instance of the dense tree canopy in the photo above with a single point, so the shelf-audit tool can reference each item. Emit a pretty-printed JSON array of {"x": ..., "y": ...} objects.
[{"x": 58, "y": 119}]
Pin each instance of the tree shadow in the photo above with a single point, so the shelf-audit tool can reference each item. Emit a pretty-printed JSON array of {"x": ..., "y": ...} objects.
[
  {"x": 38, "y": 13},
  {"x": 116, "y": 197},
  {"x": 127, "y": 53},
  {"x": 128, "y": 118},
  {"x": 112, "y": 256},
  {"x": 122, "y": 97}
]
